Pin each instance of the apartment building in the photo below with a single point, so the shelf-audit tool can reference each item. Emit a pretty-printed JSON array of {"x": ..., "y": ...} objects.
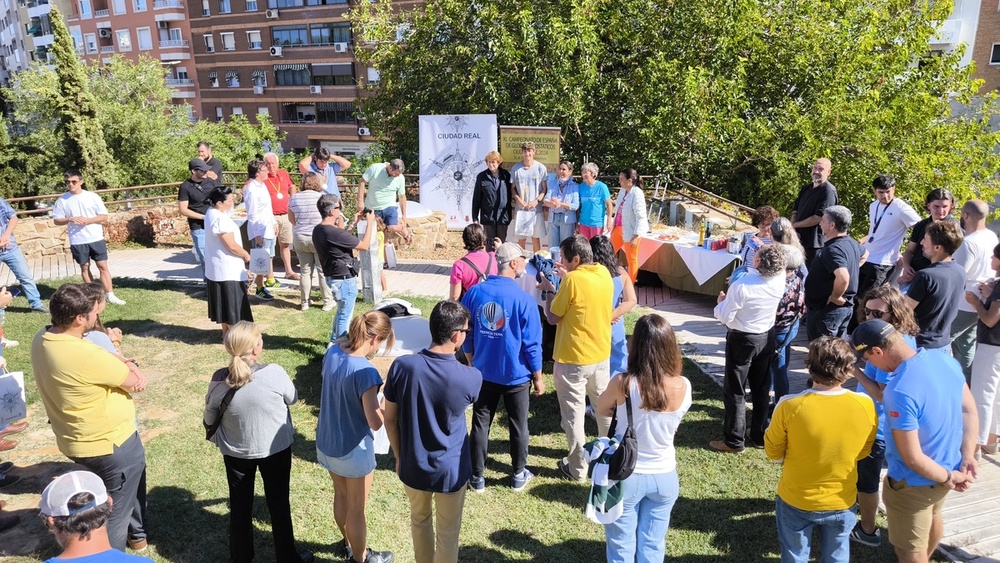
[
  {"x": 292, "y": 60},
  {"x": 13, "y": 52},
  {"x": 986, "y": 50}
]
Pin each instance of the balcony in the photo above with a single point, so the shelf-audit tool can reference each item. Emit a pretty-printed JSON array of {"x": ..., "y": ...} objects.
[
  {"x": 173, "y": 44},
  {"x": 947, "y": 34},
  {"x": 176, "y": 82},
  {"x": 105, "y": 49},
  {"x": 102, "y": 13},
  {"x": 164, "y": 4}
]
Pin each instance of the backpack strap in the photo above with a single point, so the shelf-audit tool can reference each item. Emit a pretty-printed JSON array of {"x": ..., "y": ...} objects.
[{"x": 475, "y": 269}]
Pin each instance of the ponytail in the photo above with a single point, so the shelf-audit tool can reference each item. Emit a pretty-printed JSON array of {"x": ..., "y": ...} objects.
[
  {"x": 367, "y": 325},
  {"x": 240, "y": 342}
]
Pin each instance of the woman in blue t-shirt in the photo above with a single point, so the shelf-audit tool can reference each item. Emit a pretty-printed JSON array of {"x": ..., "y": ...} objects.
[{"x": 349, "y": 411}]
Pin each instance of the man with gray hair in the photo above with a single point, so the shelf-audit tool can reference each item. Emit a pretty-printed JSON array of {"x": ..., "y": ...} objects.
[
  {"x": 832, "y": 282},
  {"x": 281, "y": 189},
  {"x": 378, "y": 188},
  {"x": 748, "y": 311}
]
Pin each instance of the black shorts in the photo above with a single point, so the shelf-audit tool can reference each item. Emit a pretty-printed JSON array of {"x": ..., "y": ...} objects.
[
  {"x": 870, "y": 469},
  {"x": 84, "y": 253}
]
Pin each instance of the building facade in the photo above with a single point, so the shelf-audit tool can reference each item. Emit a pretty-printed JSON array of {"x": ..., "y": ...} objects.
[{"x": 986, "y": 50}]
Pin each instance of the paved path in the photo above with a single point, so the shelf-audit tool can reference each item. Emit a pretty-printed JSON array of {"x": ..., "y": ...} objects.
[{"x": 972, "y": 529}]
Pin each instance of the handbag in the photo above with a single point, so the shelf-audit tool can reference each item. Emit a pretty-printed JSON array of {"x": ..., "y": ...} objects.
[
  {"x": 390, "y": 255},
  {"x": 622, "y": 462},
  {"x": 210, "y": 429},
  {"x": 12, "y": 404},
  {"x": 260, "y": 261},
  {"x": 524, "y": 224}
]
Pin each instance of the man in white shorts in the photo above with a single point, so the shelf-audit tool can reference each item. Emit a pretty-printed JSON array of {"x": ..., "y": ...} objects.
[{"x": 84, "y": 213}]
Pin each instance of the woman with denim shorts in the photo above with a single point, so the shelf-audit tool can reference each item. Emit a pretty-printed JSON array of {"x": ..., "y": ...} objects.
[
  {"x": 660, "y": 397},
  {"x": 349, "y": 412}
]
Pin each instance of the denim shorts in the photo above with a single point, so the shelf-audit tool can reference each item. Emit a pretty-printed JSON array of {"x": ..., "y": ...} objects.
[
  {"x": 269, "y": 245},
  {"x": 358, "y": 463},
  {"x": 389, "y": 215}
]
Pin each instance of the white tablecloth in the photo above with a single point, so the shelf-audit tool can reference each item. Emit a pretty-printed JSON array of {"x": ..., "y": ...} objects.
[{"x": 703, "y": 263}]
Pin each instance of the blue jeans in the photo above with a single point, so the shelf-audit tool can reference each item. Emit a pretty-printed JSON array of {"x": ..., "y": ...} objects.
[
  {"x": 198, "y": 238},
  {"x": 639, "y": 534},
  {"x": 782, "y": 355},
  {"x": 560, "y": 231},
  {"x": 14, "y": 259},
  {"x": 345, "y": 293},
  {"x": 795, "y": 533}
]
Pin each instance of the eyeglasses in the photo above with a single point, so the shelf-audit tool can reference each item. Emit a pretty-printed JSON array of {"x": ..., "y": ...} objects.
[
  {"x": 465, "y": 330},
  {"x": 875, "y": 313}
]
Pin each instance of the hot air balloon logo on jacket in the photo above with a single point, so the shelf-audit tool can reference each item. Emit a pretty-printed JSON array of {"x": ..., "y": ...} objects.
[{"x": 492, "y": 316}]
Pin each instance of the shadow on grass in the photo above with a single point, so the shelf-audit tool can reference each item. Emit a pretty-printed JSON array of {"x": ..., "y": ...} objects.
[
  {"x": 741, "y": 527},
  {"x": 517, "y": 541},
  {"x": 573, "y": 495}
]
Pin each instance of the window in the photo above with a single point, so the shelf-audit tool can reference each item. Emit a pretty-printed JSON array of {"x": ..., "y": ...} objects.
[
  {"x": 123, "y": 39},
  {"x": 90, "y": 40},
  {"x": 205, "y": 9},
  {"x": 253, "y": 38},
  {"x": 228, "y": 41},
  {"x": 218, "y": 113},
  {"x": 182, "y": 73},
  {"x": 333, "y": 74},
  {"x": 118, "y": 6},
  {"x": 144, "y": 38},
  {"x": 328, "y": 33},
  {"x": 290, "y": 35},
  {"x": 324, "y": 2},
  {"x": 237, "y": 110},
  {"x": 292, "y": 75},
  {"x": 262, "y": 110},
  {"x": 335, "y": 112},
  {"x": 251, "y": 5},
  {"x": 995, "y": 54},
  {"x": 77, "y": 40},
  {"x": 209, "y": 43},
  {"x": 225, "y": 7},
  {"x": 139, "y": 5},
  {"x": 259, "y": 78},
  {"x": 233, "y": 78},
  {"x": 373, "y": 75},
  {"x": 285, "y": 3},
  {"x": 213, "y": 79},
  {"x": 174, "y": 33},
  {"x": 402, "y": 32},
  {"x": 85, "y": 9}
]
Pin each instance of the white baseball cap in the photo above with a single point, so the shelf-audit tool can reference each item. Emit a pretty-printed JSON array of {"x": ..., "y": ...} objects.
[{"x": 55, "y": 497}]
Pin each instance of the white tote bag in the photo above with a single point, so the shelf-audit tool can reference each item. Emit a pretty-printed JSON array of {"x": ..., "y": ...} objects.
[
  {"x": 260, "y": 262},
  {"x": 12, "y": 405},
  {"x": 524, "y": 222}
]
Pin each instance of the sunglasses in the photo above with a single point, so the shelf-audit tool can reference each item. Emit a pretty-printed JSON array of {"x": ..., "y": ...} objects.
[
  {"x": 465, "y": 330},
  {"x": 875, "y": 313}
]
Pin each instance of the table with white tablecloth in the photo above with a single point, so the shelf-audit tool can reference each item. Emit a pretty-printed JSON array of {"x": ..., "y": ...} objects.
[{"x": 686, "y": 266}]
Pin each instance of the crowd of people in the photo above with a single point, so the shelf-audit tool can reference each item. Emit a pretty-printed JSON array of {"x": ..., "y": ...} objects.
[{"x": 897, "y": 322}]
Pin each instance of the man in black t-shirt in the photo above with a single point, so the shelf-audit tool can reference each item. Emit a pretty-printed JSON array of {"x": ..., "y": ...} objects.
[
  {"x": 939, "y": 203},
  {"x": 936, "y": 290},
  {"x": 193, "y": 203},
  {"x": 214, "y": 164},
  {"x": 813, "y": 199},
  {"x": 832, "y": 282}
]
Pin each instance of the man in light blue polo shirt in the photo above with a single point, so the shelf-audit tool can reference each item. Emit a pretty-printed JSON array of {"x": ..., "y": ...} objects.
[
  {"x": 327, "y": 165},
  {"x": 930, "y": 448}
]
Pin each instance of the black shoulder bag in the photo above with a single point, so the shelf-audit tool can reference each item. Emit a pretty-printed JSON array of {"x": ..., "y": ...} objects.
[
  {"x": 622, "y": 462},
  {"x": 210, "y": 429}
]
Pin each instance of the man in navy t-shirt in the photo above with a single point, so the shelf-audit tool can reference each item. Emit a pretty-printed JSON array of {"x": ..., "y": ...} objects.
[
  {"x": 930, "y": 446},
  {"x": 426, "y": 396},
  {"x": 937, "y": 290},
  {"x": 832, "y": 282}
]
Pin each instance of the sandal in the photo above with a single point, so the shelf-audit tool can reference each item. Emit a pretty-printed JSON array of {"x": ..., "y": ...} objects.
[{"x": 293, "y": 276}]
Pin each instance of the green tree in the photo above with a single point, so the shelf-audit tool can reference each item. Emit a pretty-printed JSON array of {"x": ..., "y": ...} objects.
[
  {"x": 738, "y": 96},
  {"x": 83, "y": 141}
]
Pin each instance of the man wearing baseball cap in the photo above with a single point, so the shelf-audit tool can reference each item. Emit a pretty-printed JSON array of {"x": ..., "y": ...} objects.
[
  {"x": 192, "y": 202},
  {"x": 930, "y": 450},
  {"x": 76, "y": 507}
]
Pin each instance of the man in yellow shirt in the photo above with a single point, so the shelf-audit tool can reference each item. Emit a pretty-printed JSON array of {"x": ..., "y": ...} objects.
[
  {"x": 581, "y": 311},
  {"x": 86, "y": 393},
  {"x": 819, "y": 435}
]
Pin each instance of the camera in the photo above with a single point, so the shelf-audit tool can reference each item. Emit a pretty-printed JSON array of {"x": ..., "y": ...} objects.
[{"x": 366, "y": 212}]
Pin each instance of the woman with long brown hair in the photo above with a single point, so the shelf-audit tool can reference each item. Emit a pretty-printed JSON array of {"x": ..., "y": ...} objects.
[
  {"x": 660, "y": 396},
  {"x": 349, "y": 411}
]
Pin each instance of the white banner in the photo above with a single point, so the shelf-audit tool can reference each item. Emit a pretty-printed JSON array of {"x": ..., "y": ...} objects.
[{"x": 452, "y": 152}]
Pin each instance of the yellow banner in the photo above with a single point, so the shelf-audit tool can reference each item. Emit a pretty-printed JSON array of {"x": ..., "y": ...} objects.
[{"x": 546, "y": 141}]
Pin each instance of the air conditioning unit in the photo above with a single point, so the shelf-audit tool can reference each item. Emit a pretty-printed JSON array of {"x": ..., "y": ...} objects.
[
  {"x": 162, "y": 25},
  {"x": 271, "y": 14},
  {"x": 258, "y": 89},
  {"x": 104, "y": 32},
  {"x": 315, "y": 89},
  {"x": 276, "y": 51},
  {"x": 364, "y": 131},
  {"x": 340, "y": 47}
]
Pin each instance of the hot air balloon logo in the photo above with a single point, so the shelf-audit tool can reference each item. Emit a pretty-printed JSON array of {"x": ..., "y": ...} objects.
[{"x": 493, "y": 316}]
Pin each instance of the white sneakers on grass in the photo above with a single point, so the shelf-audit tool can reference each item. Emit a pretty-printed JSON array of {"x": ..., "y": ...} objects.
[{"x": 114, "y": 300}]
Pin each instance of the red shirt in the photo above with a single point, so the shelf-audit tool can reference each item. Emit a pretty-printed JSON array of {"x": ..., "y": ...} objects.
[{"x": 279, "y": 187}]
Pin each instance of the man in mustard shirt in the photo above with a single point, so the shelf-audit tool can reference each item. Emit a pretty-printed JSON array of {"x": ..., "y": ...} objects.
[
  {"x": 581, "y": 311},
  {"x": 86, "y": 393}
]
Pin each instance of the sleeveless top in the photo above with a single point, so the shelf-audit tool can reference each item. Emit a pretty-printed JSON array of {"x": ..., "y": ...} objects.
[{"x": 654, "y": 431}]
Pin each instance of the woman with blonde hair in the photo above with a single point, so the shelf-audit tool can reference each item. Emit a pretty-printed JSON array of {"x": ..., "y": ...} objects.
[
  {"x": 248, "y": 403},
  {"x": 304, "y": 216},
  {"x": 349, "y": 411},
  {"x": 659, "y": 396}
]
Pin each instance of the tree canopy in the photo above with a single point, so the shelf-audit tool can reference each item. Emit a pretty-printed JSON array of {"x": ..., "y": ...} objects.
[{"x": 738, "y": 96}]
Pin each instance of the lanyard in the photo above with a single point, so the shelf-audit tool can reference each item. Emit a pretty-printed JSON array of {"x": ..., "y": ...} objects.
[{"x": 878, "y": 219}]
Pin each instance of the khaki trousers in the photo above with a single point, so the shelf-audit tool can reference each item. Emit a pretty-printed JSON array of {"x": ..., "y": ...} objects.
[
  {"x": 573, "y": 385},
  {"x": 428, "y": 548}
]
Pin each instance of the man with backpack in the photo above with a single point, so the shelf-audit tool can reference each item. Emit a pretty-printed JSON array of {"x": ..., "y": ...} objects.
[{"x": 505, "y": 344}]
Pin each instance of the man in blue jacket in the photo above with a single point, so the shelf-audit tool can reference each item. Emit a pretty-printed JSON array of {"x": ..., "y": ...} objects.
[{"x": 505, "y": 344}]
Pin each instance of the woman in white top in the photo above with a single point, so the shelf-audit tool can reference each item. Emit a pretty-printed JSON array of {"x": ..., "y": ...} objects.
[
  {"x": 260, "y": 222},
  {"x": 225, "y": 263},
  {"x": 304, "y": 216},
  {"x": 630, "y": 219},
  {"x": 660, "y": 397}
]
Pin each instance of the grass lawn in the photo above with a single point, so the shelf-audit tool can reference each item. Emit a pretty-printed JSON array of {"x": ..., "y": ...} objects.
[{"x": 725, "y": 512}]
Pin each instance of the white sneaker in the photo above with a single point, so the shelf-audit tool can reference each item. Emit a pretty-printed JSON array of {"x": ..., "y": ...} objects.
[
  {"x": 329, "y": 306},
  {"x": 113, "y": 299},
  {"x": 10, "y": 343},
  {"x": 304, "y": 307}
]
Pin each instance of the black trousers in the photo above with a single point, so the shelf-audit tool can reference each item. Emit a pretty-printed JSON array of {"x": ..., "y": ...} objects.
[
  {"x": 494, "y": 231},
  {"x": 241, "y": 473},
  {"x": 124, "y": 474},
  {"x": 748, "y": 358},
  {"x": 515, "y": 400},
  {"x": 870, "y": 276}
]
